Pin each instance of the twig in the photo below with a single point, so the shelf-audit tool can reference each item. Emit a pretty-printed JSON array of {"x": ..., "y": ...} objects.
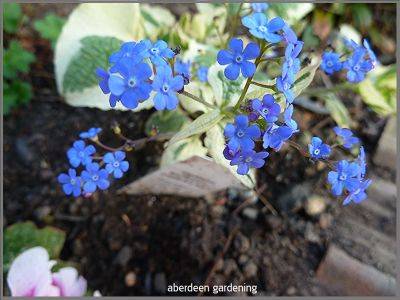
[{"x": 219, "y": 257}]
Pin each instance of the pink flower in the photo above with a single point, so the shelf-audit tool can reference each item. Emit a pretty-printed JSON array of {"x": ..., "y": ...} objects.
[{"x": 30, "y": 276}]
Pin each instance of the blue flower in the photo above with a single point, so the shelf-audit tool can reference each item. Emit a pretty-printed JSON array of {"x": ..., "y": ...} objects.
[
  {"x": 103, "y": 76},
  {"x": 370, "y": 52},
  {"x": 91, "y": 133},
  {"x": 331, "y": 62},
  {"x": 132, "y": 86},
  {"x": 289, "y": 35},
  {"x": 260, "y": 27},
  {"x": 237, "y": 59},
  {"x": 94, "y": 178},
  {"x": 259, "y": 7},
  {"x": 358, "y": 195},
  {"x": 183, "y": 69},
  {"x": 240, "y": 134},
  {"x": 346, "y": 135},
  {"x": 80, "y": 154},
  {"x": 249, "y": 159},
  {"x": 292, "y": 64},
  {"x": 268, "y": 108},
  {"x": 166, "y": 87},
  {"x": 159, "y": 52},
  {"x": 357, "y": 66},
  {"x": 71, "y": 183},
  {"x": 361, "y": 162},
  {"x": 345, "y": 177},
  {"x": 275, "y": 136},
  {"x": 317, "y": 149},
  {"x": 229, "y": 154},
  {"x": 135, "y": 51},
  {"x": 202, "y": 73},
  {"x": 287, "y": 116},
  {"x": 284, "y": 86},
  {"x": 115, "y": 163}
]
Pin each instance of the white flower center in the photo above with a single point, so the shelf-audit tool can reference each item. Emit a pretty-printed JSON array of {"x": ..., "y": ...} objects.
[
  {"x": 265, "y": 111},
  {"x": 116, "y": 164},
  {"x": 95, "y": 177},
  {"x": 165, "y": 88},
  {"x": 329, "y": 64},
  {"x": 239, "y": 58},
  {"x": 249, "y": 159},
  {"x": 131, "y": 82},
  {"x": 316, "y": 151},
  {"x": 343, "y": 177},
  {"x": 262, "y": 28},
  {"x": 240, "y": 133}
]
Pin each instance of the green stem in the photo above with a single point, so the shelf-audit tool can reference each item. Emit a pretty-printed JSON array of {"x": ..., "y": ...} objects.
[
  {"x": 262, "y": 84},
  {"x": 195, "y": 98},
  {"x": 234, "y": 23},
  {"x": 249, "y": 80}
]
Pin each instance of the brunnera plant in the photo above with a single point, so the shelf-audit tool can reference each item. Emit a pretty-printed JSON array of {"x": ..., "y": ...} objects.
[{"x": 245, "y": 113}]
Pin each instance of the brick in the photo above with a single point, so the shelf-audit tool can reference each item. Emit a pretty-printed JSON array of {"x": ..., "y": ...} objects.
[
  {"x": 386, "y": 155},
  {"x": 344, "y": 275}
]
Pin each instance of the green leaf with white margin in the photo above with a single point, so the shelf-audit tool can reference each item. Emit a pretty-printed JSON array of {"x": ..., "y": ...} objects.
[
  {"x": 156, "y": 19},
  {"x": 215, "y": 142},
  {"x": 22, "y": 236},
  {"x": 378, "y": 90},
  {"x": 290, "y": 12},
  {"x": 203, "y": 123},
  {"x": 166, "y": 121},
  {"x": 226, "y": 92},
  {"x": 337, "y": 110},
  {"x": 182, "y": 150}
]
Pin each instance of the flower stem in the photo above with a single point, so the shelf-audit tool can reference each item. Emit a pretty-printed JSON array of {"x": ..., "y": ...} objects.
[
  {"x": 195, "y": 98},
  {"x": 249, "y": 80},
  {"x": 267, "y": 86}
]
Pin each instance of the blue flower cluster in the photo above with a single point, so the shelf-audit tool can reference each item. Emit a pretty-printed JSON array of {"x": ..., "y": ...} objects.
[
  {"x": 350, "y": 177},
  {"x": 263, "y": 119},
  {"x": 347, "y": 176},
  {"x": 138, "y": 69},
  {"x": 95, "y": 175},
  {"x": 361, "y": 60}
]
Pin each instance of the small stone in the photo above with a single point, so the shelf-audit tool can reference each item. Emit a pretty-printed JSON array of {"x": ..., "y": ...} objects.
[
  {"x": 42, "y": 212},
  {"x": 310, "y": 234},
  {"x": 250, "y": 213},
  {"x": 243, "y": 259},
  {"x": 325, "y": 220},
  {"x": 315, "y": 205},
  {"x": 250, "y": 269},
  {"x": 160, "y": 283},
  {"x": 219, "y": 265},
  {"x": 291, "y": 291},
  {"x": 242, "y": 243},
  {"x": 124, "y": 255},
  {"x": 217, "y": 211},
  {"x": 230, "y": 266},
  {"x": 130, "y": 279}
]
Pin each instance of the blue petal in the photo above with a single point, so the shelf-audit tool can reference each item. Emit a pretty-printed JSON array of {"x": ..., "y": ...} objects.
[
  {"x": 248, "y": 69},
  {"x": 224, "y": 57},
  {"x": 116, "y": 84},
  {"x": 236, "y": 45},
  {"x": 232, "y": 71},
  {"x": 159, "y": 101}
]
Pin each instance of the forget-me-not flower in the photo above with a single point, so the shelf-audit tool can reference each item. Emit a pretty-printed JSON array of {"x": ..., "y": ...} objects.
[
  {"x": 267, "y": 108},
  {"x": 344, "y": 177},
  {"x": 166, "y": 87},
  {"x": 116, "y": 163},
  {"x": 318, "y": 149},
  {"x": 331, "y": 62},
  {"x": 249, "y": 159},
  {"x": 261, "y": 28},
  {"x": 94, "y": 178},
  {"x": 346, "y": 136},
  {"x": 240, "y": 134},
  {"x": 80, "y": 153},
  {"x": 71, "y": 183}
]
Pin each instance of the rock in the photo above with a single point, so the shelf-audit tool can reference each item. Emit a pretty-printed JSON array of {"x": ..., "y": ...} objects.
[
  {"x": 250, "y": 270},
  {"x": 230, "y": 266},
  {"x": 315, "y": 205},
  {"x": 130, "y": 279},
  {"x": 386, "y": 154},
  {"x": 241, "y": 243},
  {"x": 124, "y": 255},
  {"x": 160, "y": 283},
  {"x": 250, "y": 213},
  {"x": 147, "y": 283}
]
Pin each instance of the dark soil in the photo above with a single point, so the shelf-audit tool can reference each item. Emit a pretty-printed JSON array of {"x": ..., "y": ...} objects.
[{"x": 137, "y": 245}]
